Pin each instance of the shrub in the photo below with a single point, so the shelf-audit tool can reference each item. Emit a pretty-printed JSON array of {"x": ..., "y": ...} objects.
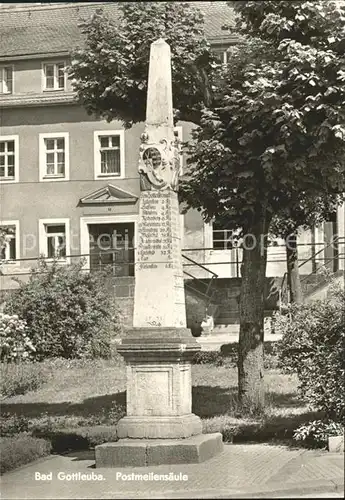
[
  {"x": 317, "y": 432},
  {"x": 313, "y": 347},
  {"x": 222, "y": 424},
  {"x": 230, "y": 351},
  {"x": 69, "y": 313},
  {"x": 228, "y": 355},
  {"x": 78, "y": 438},
  {"x": 53, "y": 423},
  {"x": 19, "y": 378},
  {"x": 204, "y": 357},
  {"x": 11, "y": 424},
  {"x": 271, "y": 362},
  {"x": 14, "y": 341},
  {"x": 21, "y": 449}
]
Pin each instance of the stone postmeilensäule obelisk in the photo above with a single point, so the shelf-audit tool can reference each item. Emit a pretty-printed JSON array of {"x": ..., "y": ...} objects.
[{"x": 159, "y": 426}]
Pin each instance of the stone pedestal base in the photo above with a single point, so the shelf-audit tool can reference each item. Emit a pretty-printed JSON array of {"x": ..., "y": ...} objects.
[
  {"x": 160, "y": 427},
  {"x": 142, "y": 453},
  {"x": 159, "y": 384},
  {"x": 157, "y": 427}
]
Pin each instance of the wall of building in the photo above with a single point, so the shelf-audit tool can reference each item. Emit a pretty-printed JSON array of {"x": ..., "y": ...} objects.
[
  {"x": 30, "y": 200},
  {"x": 28, "y": 75},
  {"x": 29, "y": 122}
]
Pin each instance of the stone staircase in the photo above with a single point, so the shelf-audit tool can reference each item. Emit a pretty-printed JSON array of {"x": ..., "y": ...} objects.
[{"x": 320, "y": 288}]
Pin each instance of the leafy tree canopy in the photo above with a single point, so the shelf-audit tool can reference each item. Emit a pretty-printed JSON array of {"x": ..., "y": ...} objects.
[
  {"x": 306, "y": 214},
  {"x": 276, "y": 133},
  {"x": 110, "y": 72}
]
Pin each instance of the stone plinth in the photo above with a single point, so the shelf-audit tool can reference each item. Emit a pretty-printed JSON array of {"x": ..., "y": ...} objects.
[
  {"x": 159, "y": 384},
  {"x": 141, "y": 453}
]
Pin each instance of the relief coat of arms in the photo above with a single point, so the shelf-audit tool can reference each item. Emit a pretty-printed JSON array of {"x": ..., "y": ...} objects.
[{"x": 159, "y": 164}]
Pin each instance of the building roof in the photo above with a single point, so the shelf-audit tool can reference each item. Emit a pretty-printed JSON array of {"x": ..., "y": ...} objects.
[{"x": 48, "y": 29}]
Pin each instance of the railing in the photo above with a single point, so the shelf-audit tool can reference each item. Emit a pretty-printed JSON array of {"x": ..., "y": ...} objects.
[
  {"x": 284, "y": 293},
  {"x": 121, "y": 265},
  {"x": 208, "y": 284},
  {"x": 124, "y": 267}
]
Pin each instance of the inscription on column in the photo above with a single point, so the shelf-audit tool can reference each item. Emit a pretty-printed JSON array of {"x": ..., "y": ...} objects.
[{"x": 158, "y": 245}]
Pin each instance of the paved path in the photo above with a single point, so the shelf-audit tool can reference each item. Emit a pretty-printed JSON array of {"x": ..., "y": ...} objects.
[
  {"x": 241, "y": 471},
  {"x": 329, "y": 494}
]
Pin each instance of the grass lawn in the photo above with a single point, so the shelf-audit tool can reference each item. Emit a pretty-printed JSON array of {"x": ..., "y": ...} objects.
[{"x": 90, "y": 393}]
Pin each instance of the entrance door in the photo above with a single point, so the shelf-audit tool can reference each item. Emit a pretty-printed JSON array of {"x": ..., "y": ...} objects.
[{"x": 112, "y": 244}]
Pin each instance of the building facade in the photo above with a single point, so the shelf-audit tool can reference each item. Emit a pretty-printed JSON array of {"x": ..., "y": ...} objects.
[{"x": 69, "y": 183}]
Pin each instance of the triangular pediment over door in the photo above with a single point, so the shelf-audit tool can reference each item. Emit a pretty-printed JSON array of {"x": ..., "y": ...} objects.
[{"x": 109, "y": 194}]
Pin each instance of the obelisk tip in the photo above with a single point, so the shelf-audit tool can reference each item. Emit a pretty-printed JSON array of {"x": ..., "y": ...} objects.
[
  {"x": 159, "y": 107},
  {"x": 160, "y": 41}
]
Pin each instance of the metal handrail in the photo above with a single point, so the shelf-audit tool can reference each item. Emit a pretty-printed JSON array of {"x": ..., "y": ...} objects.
[
  {"x": 326, "y": 261},
  {"x": 209, "y": 285},
  {"x": 195, "y": 278},
  {"x": 337, "y": 239},
  {"x": 317, "y": 243},
  {"x": 199, "y": 292},
  {"x": 200, "y": 265}
]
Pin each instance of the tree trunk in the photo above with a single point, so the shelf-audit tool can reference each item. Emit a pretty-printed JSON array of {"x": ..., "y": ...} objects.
[
  {"x": 251, "y": 349},
  {"x": 293, "y": 278}
]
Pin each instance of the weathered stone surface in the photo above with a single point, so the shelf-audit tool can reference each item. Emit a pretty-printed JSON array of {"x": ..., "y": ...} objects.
[
  {"x": 159, "y": 108},
  {"x": 159, "y": 427},
  {"x": 159, "y": 299},
  {"x": 159, "y": 389},
  {"x": 129, "y": 452},
  {"x": 125, "y": 452},
  {"x": 158, "y": 337},
  {"x": 192, "y": 450}
]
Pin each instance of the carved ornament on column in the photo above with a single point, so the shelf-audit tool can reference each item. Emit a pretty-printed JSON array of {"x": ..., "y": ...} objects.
[{"x": 159, "y": 164}]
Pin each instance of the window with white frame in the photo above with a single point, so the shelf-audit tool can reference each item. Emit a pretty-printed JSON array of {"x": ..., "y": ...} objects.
[
  {"x": 8, "y": 158},
  {"x": 54, "y": 238},
  {"x": 222, "y": 54},
  {"x": 222, "y": 237},
  {"x": 54, "y": 156},
  {"x": 109, "y": 153},
  {"x": 54, "y": 76},
  {"x": 6, "y": 80},
  {"x": 8, "y": 234}
]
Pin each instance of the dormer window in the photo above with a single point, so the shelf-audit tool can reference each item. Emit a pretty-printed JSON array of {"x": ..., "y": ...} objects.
[
  {"x": 222, "y": 55},
  {"x": 54, "y": 76},
  {"x": 6, "y": 80}
]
